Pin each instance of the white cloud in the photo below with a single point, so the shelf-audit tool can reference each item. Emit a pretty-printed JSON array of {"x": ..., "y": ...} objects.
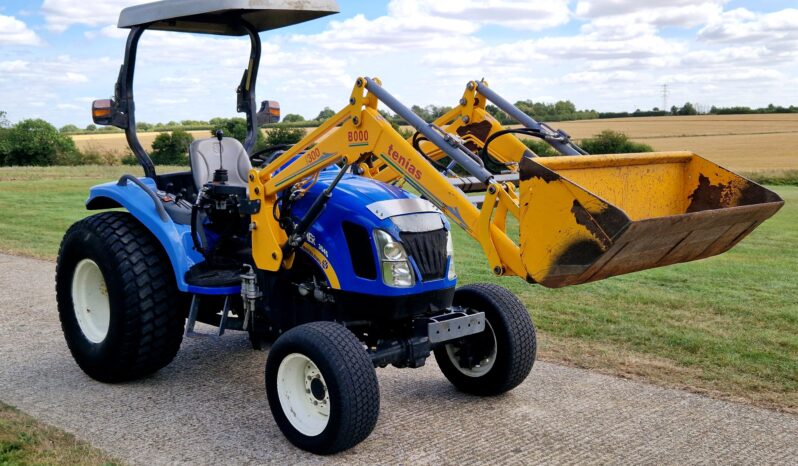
[
  {"x": 594, "y": 77},
  {"x": 16, "y": 32},
  {"x": 777, "y": 30},
  {"x": 528, "y": 15},
  {"x": 447, "y": 24},
  {"x": 59, "y": 15},
  {"x": 628, "y": 19},
  {"x": 109, "y": 31},
  {"x": 62, "y": 70},
  {"x": 684, "y": 13}
]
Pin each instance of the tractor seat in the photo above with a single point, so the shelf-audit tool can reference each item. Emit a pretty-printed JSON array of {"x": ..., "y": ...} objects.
[{"x": 203, "y": 156}]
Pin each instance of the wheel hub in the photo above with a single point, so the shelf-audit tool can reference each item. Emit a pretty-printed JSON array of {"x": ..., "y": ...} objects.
[
  {"x": 317, "y": 389},
  {"x": 303, "y": 394},
  {"x": 474, "y": 355},
  {"x": 90, "y": 301}
]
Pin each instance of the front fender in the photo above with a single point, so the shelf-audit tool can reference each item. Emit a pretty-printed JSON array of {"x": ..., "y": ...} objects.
[{"x": 174, "y": 238}]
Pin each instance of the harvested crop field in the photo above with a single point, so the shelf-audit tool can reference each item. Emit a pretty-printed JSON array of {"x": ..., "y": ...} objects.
[
  {"x": 745, "y": 143},
  {"x": 738, "y": 142}
]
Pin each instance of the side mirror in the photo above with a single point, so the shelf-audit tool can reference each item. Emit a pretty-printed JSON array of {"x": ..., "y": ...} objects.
[
  {"x": 102, "y": 111},
  {"x": 269, "y": 112}
]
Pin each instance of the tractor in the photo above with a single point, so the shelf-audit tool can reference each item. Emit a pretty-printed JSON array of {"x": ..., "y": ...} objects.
[{"x": 337, "y": 251}]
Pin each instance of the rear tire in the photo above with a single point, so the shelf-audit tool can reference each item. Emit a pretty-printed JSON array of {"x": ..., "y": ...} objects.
[
  {"x": 117, "y": 299},
  {"x": 322, "y": 388},
  {"x": 499, "y": 358}
]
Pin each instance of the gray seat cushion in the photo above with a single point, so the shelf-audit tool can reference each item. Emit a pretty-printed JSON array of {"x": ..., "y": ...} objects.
[{"x": 203, "y": 155}]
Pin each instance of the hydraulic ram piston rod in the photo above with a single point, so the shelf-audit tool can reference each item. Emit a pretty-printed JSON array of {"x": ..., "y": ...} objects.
[
  {"x": 565, "y": 148},
  {"x": 429, "y": 132}
]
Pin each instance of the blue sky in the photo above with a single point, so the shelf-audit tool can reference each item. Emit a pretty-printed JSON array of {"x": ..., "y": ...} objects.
[{"x": 58, "y": 55}]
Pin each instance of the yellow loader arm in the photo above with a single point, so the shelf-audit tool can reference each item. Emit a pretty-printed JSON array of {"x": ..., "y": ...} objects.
[{"x": 580, "y": 218}]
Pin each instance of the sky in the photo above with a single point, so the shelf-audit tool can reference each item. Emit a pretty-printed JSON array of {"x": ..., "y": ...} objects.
[{"x": 56, "y": 56}]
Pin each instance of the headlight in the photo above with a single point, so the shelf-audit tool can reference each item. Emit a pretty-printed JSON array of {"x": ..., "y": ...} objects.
[
  {"x": 450, "y": 254},
  {"x": 396, "y": 268},
  {"x": 394, "y": 251}
]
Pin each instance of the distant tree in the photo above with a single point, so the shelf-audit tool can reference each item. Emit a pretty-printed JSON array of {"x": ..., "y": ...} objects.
[
  {"x": 193, "y": 123},
  {"x": 437, "y": 112},
  {"x": 674, "y": 110},
  {"x": 69, "y": 129},
  {"x": 564, "y": 107},
  {"x": 688, "y": 109},
  {"x": 236, "y": 128},
  {"x": 325, "y": 114},
  {"x": 540, "y": 147},
  {"x": 284, "y": 135},
  {"x": 36, "y": 142},
  {"x": 171, "y": 148},
  {"x": 129, "y": 158},
  {"x": 91, "y": 127},
  {"x": 499, "y": 115},
  {"x": 293, "y": 118},
  {"x": 421, "y": 112},
  {"x": 4, "y": 148},
  {"x": 612, "y": 142}
]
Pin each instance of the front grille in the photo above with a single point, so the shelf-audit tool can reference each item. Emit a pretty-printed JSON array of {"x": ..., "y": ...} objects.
[{"x": 428, "y": 250}]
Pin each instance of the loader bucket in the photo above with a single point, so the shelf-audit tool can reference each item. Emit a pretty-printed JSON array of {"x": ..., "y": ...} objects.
[{"x": 593, "y": 217}]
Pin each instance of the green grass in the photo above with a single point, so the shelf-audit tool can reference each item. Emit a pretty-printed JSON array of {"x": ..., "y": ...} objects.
[
  {"x": 38, "y": 204},
  {"x": 25, "y": 441},
  {"x": 775, "y": 177},
  {"x": 727, "y": 325}
]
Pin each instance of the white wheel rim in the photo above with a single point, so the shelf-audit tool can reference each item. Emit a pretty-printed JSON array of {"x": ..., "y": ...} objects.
[
  {"x": 90, "y": 301},
  {"x": 484, "y": 366},
  {"x": 303, "y": 394}
]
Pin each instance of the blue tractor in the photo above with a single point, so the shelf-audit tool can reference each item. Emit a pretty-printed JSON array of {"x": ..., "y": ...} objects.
[{"x": 366, "y": 278}]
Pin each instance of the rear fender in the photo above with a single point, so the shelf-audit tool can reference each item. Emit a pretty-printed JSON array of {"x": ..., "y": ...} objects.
[{"x": 174, "y": 238}]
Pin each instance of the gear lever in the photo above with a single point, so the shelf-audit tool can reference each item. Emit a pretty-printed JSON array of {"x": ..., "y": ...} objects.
[{"x": 220, "y": 175}]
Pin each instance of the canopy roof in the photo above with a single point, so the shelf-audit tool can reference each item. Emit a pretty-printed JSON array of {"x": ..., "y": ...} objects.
[{"x": 224, "y": 16}]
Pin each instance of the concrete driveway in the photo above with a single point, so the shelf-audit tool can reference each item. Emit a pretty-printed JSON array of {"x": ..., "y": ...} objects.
[{"x": 209, "y": 407}]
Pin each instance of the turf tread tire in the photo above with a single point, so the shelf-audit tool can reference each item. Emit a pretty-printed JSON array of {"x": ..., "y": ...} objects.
[
  {"x": 515, "y": 336},
  {"x": 147, "y": 318},
  {"x": 347, "y": 369}
]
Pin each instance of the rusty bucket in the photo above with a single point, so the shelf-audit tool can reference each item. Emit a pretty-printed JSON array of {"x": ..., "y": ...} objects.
[{"x": 593, "y": 217}]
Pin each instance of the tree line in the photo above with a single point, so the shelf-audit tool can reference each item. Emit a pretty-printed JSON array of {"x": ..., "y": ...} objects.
[
  {"x": 562, "y": 110},
  {"x": 35, "y": 142}
]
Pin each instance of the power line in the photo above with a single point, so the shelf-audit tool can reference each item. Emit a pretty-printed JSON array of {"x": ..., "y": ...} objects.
[{"x": 665, "y": 97}]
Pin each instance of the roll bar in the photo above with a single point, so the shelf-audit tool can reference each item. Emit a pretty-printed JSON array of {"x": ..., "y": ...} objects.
[{"x": 124, "y": 106}]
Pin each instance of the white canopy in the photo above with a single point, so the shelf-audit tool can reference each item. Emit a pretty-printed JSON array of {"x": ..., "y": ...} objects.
[{"x": 221, "y": 16}]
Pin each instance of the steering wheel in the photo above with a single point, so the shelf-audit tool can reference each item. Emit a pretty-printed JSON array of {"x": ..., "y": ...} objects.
[{"x": 266, "y": 155}]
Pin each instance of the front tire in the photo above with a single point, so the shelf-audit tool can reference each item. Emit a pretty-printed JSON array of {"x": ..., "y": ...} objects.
[
  {"x": 117, "y": 298},
  {"x": 499, "y": 358},
  {"x": 322, "y": 388}
]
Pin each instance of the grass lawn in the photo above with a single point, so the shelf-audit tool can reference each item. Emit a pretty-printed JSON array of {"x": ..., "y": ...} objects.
[
  {"x": 25, "y": 441},
  {"x": 727, "y": 326}
]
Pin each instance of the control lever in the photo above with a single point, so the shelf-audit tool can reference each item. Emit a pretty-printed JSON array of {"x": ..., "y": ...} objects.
[
  {"x": 220, "y": 175},
  {"x": 181, "y": 195}
]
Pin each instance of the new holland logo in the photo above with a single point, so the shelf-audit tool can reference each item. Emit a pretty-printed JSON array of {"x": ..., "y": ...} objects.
[{"x": 404, "y": 162}]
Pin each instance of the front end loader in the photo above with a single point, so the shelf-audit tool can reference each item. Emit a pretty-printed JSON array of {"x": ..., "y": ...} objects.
[
  {"x": 316, "y": 250},
  {"x": 585, "y": 218}
]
